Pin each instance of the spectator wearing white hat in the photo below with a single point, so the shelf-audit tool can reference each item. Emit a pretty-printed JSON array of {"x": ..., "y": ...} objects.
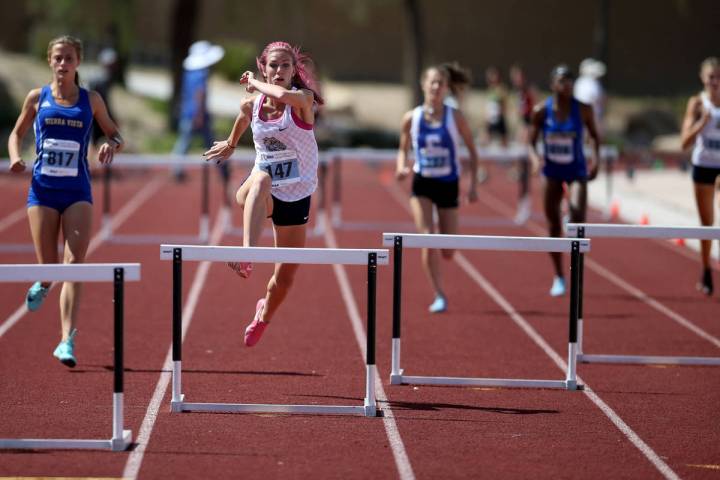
[
  {"x": 102, "y": 83},
  {"x": 589, "y": 90},
  {"x": 194, "y": 116}
]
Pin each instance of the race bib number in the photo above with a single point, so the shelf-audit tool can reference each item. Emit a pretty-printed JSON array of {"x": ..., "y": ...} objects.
[
  {"x": 435, "y": 162},
  {"x": 60, "y": 158},
  {"x": 282, "y": 166},
  {"x": 713, "y": 144},
  {"x": 559, "y": 148}
]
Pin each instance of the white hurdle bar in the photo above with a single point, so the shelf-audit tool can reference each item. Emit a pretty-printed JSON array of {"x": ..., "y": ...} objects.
[
  {"x": 475, "y": 242},
  {"x": 117, "y": 273},
  {"x": 372, "y": 258},
  {"x": 603, "y": 230}
]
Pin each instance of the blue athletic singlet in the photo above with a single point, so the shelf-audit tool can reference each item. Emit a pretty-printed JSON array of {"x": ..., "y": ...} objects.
[
  {"x": 563, "y": 141},
  {"x": 436, "y": 148},
  {"x": 61, "y": 142}
]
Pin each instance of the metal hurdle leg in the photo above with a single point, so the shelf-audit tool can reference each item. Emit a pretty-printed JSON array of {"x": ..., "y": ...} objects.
[
  {"x": 176, "y": 403},
  {"x": 204, "y": 228},
  {"x": 106, "y": 222},
  {"x": 121, "y": 438},
  {"x": 370, "y": 403},
  {"x": 571, "y": 380},
  {"x": 396, "y": 371},
  {"x": 581, "y": 289},
  {"x": 319, "y": 228},
  {"x": 336, "y": 208}
]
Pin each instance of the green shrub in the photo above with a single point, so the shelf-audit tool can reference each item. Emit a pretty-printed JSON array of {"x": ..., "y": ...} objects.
[{"x": 239, "y": 57}]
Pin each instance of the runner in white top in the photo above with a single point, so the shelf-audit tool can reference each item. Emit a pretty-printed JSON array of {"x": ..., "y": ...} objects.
[
  {"x": 701, "y": 127},
  {"x": 285, "y": 171}
]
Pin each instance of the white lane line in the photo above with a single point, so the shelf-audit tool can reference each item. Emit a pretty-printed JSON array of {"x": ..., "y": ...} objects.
[
  {"x": 128, "y": 209},
  {"x": 134, "y": 461},
  {"x": 402, "y": 461},
  {"x": 633, "y": 437},
  {"x": 13, "y": 218},
  {"x": 503, "y": 209},
  {"x": 640, "y": 295}
]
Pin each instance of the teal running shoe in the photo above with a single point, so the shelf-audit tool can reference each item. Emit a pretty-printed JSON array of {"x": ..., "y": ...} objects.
[
  {"x": 558, "y": 287},
  {"x": 65, "y": 351},
  {"x": 36, "y": 296},
  {"x": 439, "y": 305}
]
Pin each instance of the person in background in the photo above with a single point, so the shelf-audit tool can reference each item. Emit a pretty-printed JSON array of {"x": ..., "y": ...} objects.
[
  {"x": 102, "y": 84},
  {"x": 495, "y": 108},
  {"x": 526, "y": 97},
  {"x": 701, "y": 129},
  {"x": 589, "y": 90},
  {"x": 562, "y": 119},
  {"x": 284, "y": 176},
  {"x": 434, "y": 131},
  {"x": 60, "y": 197},
  {"x": 194, "y": 116}
]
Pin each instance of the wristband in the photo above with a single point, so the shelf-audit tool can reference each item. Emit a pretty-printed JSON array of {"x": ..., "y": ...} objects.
[{"x": 117, "y": 139}]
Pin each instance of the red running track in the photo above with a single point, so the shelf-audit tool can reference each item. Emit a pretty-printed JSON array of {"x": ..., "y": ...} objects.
[{"x": 311, "y": 355}]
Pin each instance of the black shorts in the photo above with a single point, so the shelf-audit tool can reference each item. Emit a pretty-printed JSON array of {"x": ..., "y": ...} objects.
[
  {"x": 286, "y": 214},
  {"x": 441, "y": 193},
  {"x": 497, "y": 128},
  {"x": 705, "y": 175}
]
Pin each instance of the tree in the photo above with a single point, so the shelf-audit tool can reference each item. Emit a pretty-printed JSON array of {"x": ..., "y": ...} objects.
[{"x": 414, "y": 45}]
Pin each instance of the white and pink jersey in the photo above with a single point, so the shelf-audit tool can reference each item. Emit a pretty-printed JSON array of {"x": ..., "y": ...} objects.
[{"x": 286, "y": 149}]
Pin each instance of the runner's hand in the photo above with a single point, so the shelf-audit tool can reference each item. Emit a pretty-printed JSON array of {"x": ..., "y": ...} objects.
[
  {"x": 245, "y": 79},
  {"x": 402, "y": 173},
  {"x": 593, "y": 167},
  {"x": 17, "y": 166},
  {"x": 106, "y": 153},
  {"x": 219, "y": 152}
]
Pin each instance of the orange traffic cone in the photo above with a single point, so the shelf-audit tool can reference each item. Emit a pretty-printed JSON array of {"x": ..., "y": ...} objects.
[
  {"x": 615, "y": 210},
  {"x": 644, "y": 219}
]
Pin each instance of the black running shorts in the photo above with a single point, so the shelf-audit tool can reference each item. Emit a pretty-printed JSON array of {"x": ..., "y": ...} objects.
[
  {"x": 442, "y": 193},
  {"x": 286, "y": 214}
]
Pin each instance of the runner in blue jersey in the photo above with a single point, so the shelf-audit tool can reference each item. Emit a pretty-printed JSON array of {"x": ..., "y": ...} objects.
[
  {"x": 562, "y": 120},
  {"x": 434, "y": 130},
  {"x": 59, "y": 197}
]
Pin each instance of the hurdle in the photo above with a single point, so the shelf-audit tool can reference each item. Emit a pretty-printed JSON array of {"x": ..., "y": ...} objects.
[
  {"x": 180, "y": 253},
  {"x": 149, "y": 161},
  {"x": 602, "y": 230},
  {"x": 400, "y": 241},
  {"x": 516, "y": 154},
  {"x": 118, "y": 273},
  {"x": 336, "y": 156}
]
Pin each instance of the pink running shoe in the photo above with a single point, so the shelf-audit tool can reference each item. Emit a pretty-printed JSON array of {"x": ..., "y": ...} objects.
[
  {"x": 254, "y": 331},
  {"x": 244, "y": 269}
]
